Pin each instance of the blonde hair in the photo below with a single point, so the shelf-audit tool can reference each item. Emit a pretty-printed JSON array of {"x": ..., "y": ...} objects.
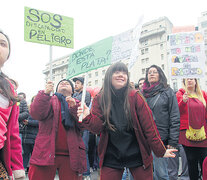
[{"x": 197, "y": 91}]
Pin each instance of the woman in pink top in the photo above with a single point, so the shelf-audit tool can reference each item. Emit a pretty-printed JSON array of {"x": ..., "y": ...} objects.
[
  {"x": 192, "y": 104},
  {"x": 10, "y": 143}
]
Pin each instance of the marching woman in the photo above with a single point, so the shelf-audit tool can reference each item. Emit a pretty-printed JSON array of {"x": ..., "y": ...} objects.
[
  {"x": 127, "y": 130},
  {"x": 192, "y": 104},
  {"x": 11, "y": 163}
]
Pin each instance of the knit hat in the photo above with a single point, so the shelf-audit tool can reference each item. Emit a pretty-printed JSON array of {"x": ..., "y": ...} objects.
[
  {"x": 71, "y": 84},
  {"x": 8, "y": 42}
]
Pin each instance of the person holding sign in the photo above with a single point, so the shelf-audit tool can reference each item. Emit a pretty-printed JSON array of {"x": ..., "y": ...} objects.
[
  {"x": 125, "y": 122},
  {"x": 193, "y": 115},
  {"x": 58, "y": 145},
  {"x": 11, "y": 162},
  {"x": 163, "y": 104}
]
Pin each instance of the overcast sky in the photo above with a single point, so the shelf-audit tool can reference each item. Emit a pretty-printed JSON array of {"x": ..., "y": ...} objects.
[{"x": 93, "y": 20}]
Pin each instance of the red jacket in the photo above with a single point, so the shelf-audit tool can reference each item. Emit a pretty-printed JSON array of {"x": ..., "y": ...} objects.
[
  {"x": 144, "y": 127},
  {"x": 184, "y": 123},
  {"x": 12, "y": 148},
  {"x": 46, "y": 109}
]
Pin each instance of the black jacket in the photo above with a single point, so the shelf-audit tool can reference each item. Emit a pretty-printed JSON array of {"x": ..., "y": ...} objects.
[
  {"x": 166, "y": 115},
  {"x": 23, "y": 114},
  {"x": 30, "y": 131}
]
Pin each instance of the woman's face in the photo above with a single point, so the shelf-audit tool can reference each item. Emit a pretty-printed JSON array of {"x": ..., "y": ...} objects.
[
  {"x": 119, "y": 79},
  {"x": 153, "y": 75},
  {"x": 191, "y": 83},
  {"x": 4, "y": 49}
]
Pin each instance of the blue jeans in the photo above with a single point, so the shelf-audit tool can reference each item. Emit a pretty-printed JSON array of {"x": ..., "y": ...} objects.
[
  {"x": 160, "y": 166},
  {"x": 173, "y": 165},
  {"x": 85, "y": 138}
]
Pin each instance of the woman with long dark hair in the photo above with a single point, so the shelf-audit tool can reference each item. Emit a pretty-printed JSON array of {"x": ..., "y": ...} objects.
[
  {"x": 10, "y": 144},
  {"x": 127, "y": 129},
  {"x": 163, "y": 104}
]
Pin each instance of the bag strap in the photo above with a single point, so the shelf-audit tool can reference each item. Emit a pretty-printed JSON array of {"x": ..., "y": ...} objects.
[{"x": 155, "y": 101}]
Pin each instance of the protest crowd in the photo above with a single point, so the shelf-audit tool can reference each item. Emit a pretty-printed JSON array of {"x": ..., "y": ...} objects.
[{"x": 123, "y": 130}]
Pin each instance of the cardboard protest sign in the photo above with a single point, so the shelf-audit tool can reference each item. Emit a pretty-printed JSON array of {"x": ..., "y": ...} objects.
[
  {"x": 48, "y": 28},
  {"x": 91, "y": 57},
  {"x": 186, "y": 55}
]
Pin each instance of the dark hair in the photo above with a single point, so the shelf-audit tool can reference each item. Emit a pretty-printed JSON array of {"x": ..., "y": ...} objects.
[
  {"x": 5, "y": 86},
  {"x": 140, "y": 80},
  {"x": 23, "y": 94},
  {"x": 162, "y": 77},
  {"x": 5, "y": 89},
  {"x": 8, "y": 43},
  {"x": 106, "y": 95}
]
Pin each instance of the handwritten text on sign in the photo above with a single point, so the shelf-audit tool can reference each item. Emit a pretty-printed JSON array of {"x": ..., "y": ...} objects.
[
  {"x": 186, "y": 55},
  {"x": 91, "y": 57},
  {"x": 48, "y": 28}
]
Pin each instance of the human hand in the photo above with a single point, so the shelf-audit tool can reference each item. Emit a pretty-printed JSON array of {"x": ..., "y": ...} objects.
[
  {"x": 71, "y": 101},
  {"x": 169, "y": 153},
  {"x": 25, "y": 121},
  {"x": 49, "y": 87},
  {"x": 85, "y": 110},
  {"x": 185, "y": 97}
]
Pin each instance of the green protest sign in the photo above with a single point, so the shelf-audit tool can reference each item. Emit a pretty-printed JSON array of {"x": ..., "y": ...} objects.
[
  {"x": 48, "y": 28},
  {"x": 91, "y": 57}
]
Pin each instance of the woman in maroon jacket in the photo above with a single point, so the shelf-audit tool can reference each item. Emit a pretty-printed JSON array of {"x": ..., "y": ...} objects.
[
  {"x": 192, "y": 104},
  {"x": 128, "y": 131},
  {"x": 58, "y": 145}
]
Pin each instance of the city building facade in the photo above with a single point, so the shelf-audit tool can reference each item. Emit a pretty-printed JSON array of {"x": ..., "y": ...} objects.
[{"x": 152, "y": 50}]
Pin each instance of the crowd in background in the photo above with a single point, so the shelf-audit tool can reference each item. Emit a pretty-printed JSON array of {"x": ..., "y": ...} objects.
[{"x": 139, "y": 130}]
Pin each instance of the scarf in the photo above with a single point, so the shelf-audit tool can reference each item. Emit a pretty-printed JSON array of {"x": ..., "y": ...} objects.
[
  {"x": 65, "y": 114},
  {"x": 150, "y": 91}
]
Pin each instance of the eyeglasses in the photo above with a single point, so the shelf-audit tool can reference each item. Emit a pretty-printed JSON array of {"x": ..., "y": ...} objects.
[{"x": 152, "y": 72}]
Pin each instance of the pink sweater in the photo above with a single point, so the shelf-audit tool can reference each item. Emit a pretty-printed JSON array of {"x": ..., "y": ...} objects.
[{"x": 10, "y": 142}]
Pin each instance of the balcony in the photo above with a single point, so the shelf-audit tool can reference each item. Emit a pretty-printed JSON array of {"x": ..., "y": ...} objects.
[{"x": 154, "y": 32}]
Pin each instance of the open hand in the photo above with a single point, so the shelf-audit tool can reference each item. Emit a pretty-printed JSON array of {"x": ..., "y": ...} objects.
[{"x": 169, "y": 153}]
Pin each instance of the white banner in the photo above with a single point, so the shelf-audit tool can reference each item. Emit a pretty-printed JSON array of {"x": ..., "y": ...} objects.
[{"x": 186, "y": 55}]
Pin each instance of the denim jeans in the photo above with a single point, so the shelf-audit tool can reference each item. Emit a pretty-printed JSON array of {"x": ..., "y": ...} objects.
[
  {"x": 174, "y": 164},
  {"x": 85, "y": 138},
  {"x": 160, "y": 166}
]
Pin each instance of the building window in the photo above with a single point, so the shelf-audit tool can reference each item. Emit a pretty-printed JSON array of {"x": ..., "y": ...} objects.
[
  {"x": 103, "y": 72},
  {"x": 143, "y": 71},
  {"x": 89, "y": 83},
  {"x": 145, "y": 42},
  {"x": 96, "y": 74},
  {"x": 163, "y": 67},
  {"x": 96, "y": 82},
  {"x": 146, "y": 50},
  {"x": 162, "y": 56},
  {"x": 147, "y": 60},
  {"x": 142, "y": 51},
  {"x": 89, "y": 75},
  {"x": 161, "y": 46}
]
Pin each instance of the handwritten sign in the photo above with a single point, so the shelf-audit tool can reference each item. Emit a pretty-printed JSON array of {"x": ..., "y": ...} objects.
[
  {"x": 186, "y": 55},
  {"x": 48, "y": 28},
  {"x": 122, "y": 46},
  {"x": 91, "y": 57}
]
